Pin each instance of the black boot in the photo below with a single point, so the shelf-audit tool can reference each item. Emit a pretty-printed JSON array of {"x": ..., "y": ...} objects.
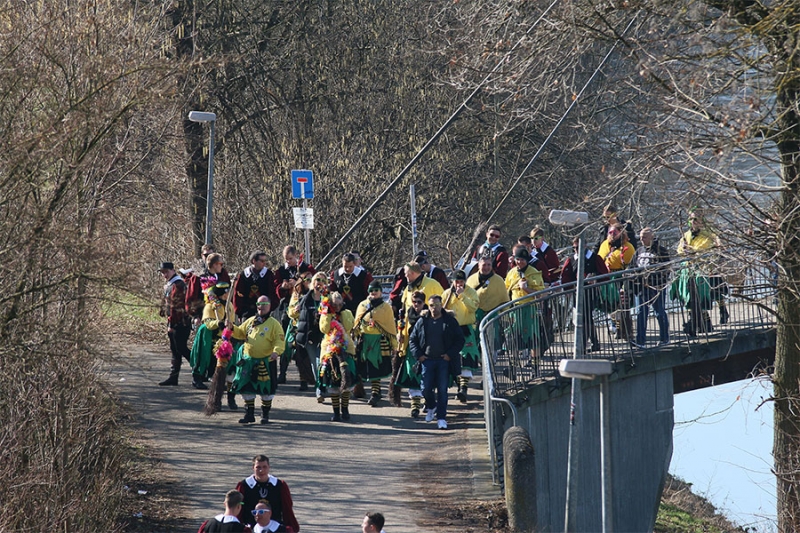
[
  {"x": 264, "y": 414},
  {"x": 171, "y": 381},
  {"x": 303, "y": 386},
  {"x": 462, "y": 395},
  {"x": 281, "y": 378},
  {"x": 249, "y": 416},
  {"x": 336, "y": 416},
  {"x": 232, "y": 401},
  {"x": 723, "y": 314},
  {"x": 373, "y": 400},
  {"x": 345, "y": 413},
  {"x": 197, "y": 382}
]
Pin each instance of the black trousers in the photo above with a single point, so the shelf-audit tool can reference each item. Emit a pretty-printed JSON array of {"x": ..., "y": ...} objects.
[{"x": 178, "y": 339}]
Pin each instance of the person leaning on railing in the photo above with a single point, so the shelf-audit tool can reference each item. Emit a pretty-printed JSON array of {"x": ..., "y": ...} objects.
[{"x": 695, "y": 288}]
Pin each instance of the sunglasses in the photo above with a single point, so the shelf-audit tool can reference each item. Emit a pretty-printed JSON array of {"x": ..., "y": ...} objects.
[
  {"x": 257, "y": 512},
  {"x": 262, "y": 304}
]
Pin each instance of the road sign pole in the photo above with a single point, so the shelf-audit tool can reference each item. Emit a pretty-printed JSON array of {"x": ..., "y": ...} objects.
[{"x": 307, "y": 233}]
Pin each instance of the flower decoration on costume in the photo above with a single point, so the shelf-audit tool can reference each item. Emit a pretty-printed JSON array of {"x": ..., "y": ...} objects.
[
  {"x": 337, "y": 342},
  {"x": 224, "y": 348},
  {"x": 325, "y": 306}
]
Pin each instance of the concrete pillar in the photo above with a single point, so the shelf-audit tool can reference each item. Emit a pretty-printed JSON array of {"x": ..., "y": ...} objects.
[{"x": 520, "y": 480}]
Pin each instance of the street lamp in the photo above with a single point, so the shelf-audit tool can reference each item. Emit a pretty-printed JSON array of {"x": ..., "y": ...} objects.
[
  {"x": 211, "y": 118},
  {"x": 590, "y": 369},
  {"x": 573, "y": 218}
]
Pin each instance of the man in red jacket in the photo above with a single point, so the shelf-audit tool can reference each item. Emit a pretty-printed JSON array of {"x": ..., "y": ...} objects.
[{"x": 263, "y": 486}]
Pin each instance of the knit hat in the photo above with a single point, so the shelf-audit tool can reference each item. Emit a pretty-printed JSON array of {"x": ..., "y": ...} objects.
[
  {"x": 375, "y": 286},
  {"x": 459, "y": 275},
  {"x": 166, "y": 266},
  {"x": 522, "y": 253}
]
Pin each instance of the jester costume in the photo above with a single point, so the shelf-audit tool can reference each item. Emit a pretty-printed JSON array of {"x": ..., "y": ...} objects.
[
  {"x": 375, "y": 343},
  {"x": 464, "y": 306},
  {"x": 256, "y": 371},
  {"x": 208, "y": 334},
  {"x": 337, "y": 368}
]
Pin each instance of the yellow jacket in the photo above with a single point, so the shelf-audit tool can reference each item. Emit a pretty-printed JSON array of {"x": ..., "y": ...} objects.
[
  {"x": 464, "y": 305},
  {"x": 430, "y": 287},
  {"x": 377, "y": 321},
  {"x": 492, "y": 293},
  {"x": 293, "y": 313},
  {"x": 617, "y": 259},
  {"x": 261, "y": 340},
  {"x": 214, "y": 315},
  {"x": 534, "y": 277},
  {"x": 700, "y": 242},
  {"x": 347, "y": 321}
]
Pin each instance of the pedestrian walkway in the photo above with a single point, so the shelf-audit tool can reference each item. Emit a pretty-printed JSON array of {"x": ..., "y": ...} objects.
[{"x": 382, "y": 460}]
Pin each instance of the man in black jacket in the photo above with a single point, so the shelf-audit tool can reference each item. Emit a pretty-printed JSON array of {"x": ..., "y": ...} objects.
[
  {"x": 650, "y": 286},
  {"x": 436, "y": 342}
]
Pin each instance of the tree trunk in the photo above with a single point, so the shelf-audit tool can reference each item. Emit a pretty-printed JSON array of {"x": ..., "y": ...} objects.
[{"x": 786, "y": 380}]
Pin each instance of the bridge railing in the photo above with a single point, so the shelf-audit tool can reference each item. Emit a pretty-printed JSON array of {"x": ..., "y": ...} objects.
[{"x": 524, "y": 341}]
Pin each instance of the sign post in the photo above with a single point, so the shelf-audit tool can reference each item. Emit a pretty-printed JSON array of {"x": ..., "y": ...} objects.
[
  {"x": 303, "y": 188},
  {"x": 413, "y": 220}
]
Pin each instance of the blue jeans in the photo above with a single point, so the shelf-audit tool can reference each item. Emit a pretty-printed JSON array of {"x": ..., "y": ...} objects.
[
  {"x": 436, "y": 375},
  {"x": 650, "y": 297}
]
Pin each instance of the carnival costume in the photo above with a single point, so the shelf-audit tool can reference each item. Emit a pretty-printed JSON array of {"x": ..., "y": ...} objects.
[
  {"x": 337, "y": 369},
  {"x": 464, "y": 306},
  {"x": 208, "y": 333},
  {"x": 375, "y": 343},
  {"x": 256, "y": 373}
]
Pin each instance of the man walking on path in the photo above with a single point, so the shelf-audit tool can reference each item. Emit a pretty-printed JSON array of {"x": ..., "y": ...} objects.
[
  {"x": 435, "y": 343},
  {"x": 178, "y": 325}
]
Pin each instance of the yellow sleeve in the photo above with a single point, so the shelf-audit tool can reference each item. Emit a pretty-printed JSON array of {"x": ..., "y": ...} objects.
[
  {"x": 385, "y": 318},
  {"x": 325, "y": 323},
  {"x": 213, "y": 320},
  {"x": 277, "y": 338},
  {"x": 470, "y": 299},
  {"x": 240, "y": 332},
  {"x": 293, "y": 313}
]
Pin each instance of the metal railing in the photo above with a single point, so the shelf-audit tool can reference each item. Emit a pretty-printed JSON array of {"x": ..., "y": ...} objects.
[{"x": 523, "y": 342}]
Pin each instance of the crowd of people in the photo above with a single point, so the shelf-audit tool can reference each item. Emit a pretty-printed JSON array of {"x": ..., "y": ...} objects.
[{"x": 348, "y": 341}]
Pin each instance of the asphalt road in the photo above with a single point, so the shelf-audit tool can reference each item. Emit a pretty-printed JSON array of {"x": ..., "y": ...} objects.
[{"x": 382, "y": 460}]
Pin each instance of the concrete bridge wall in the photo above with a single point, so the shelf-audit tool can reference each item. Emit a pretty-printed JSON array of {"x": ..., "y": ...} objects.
[{"x": 641, "y": 443}]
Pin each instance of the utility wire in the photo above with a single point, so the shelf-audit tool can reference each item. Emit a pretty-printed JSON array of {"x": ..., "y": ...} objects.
[
  {"x": 432, "y": 140},
  {"x": 462, "y": 261}
]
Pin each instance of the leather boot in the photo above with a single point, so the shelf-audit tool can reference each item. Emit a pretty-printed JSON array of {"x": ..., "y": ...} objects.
[
  {"x": 232, "y": 401},
  {"x": 249, "y": 416},
  {"x": 264, "y": 414},
  {"x": 345, "y": 413},
  {"x": 336, "y": 416},
  {"x": 358, "y": 391},
  {"x": 171, "y": 381},
  {"x": 462, "y": 395}
]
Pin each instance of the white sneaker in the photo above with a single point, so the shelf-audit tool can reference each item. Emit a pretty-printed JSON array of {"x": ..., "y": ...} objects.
[
  {"x": 442, "y": 424},
  {"x": 430, "y": 415}
]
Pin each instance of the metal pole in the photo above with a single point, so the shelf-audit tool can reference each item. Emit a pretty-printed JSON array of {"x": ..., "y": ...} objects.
[
  {"x": 605, "y": 455},
  {"x": 210, "y": 188},
  {"x": 413, "y": 220},
  {"x": 307, "y": 231},
  {"x": 575, "y": 397}
]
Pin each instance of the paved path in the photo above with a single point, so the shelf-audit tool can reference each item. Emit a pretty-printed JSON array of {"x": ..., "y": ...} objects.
[{"x": 382, "y": 460}]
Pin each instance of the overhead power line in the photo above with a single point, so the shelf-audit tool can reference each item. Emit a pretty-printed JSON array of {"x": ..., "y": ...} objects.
[{"x": 431, "y": 141}]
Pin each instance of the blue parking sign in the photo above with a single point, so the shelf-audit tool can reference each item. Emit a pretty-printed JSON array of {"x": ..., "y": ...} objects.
[{"x": 302, "y": 184}]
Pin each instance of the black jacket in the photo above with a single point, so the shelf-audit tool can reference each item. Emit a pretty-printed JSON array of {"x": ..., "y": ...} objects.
[
  {"x": 308, "y": 321},
  {"x": 453, "y": 339},
  {"x": 645, "y": 256}
]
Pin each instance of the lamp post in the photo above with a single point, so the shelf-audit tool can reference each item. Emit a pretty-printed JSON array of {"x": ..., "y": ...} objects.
[
  {"x": 573, "y": 218},
  {"x": 211, "y": 118},
  {"x": 590, "y": 369}
]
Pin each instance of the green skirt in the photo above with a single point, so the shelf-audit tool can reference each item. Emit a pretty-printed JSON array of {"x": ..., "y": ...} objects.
[
  {"x": 470, "y": 355},
  {"x": 373, "y": 357},
  {"x": 254, "y": 376},
  {"x": 202, "y": 355},
  {"x": 406, "y": 378}
]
